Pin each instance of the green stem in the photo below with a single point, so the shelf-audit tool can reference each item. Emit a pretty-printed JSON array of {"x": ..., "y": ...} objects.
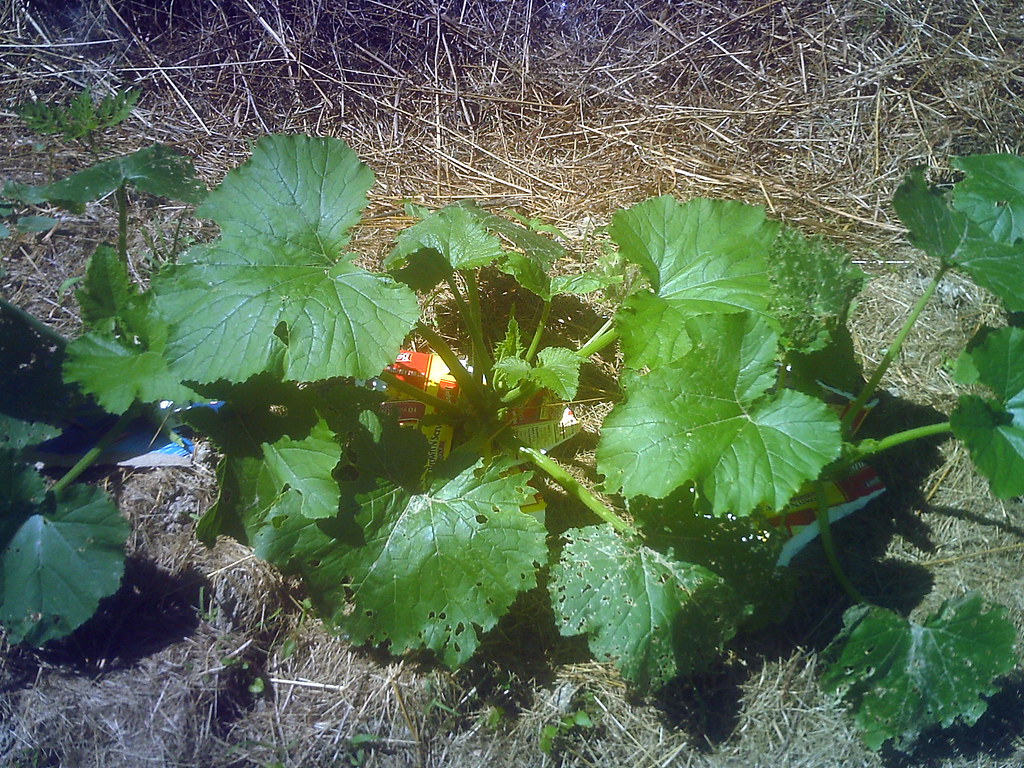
[
  {"x": 470, "y": 387},
  {"x": 482, "y": 363},
  {"x": 93, "y": 453},
  {"x": 825, "y": 529},
  {"x": 576, "y": 489},
  {"x": 871, "y": 447},
  {"x": 33, "y": 322},
  {"x": 605, "y": 335},
  {"x": 122, "y": 222},
  {"x": 414, "y": 392},
  {"x": 857, "y": 406},
  {"x": 538, "y": 331}
]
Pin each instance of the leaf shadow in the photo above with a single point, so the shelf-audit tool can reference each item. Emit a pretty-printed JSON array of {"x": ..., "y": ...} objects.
[{"x": 151, "y": 610}]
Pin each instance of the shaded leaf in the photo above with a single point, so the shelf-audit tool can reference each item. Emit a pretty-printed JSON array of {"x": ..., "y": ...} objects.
[
  {"x": 64, "y": 558},
  {"x": 993, "y": 430},
  {"x": 654, "y": 616},
  {"x": 901, "y": 677},
  {"x": 305, "y": 466},
  {"x": 157, "y": 170}
]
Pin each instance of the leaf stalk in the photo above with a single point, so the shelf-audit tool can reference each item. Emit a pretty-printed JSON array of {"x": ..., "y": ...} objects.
[
  {"x": 825, "y": 529},
  {"x": 93, "y": 453},
  {"x": 857, "y": 406},
  {"x": 576, "y": 489}
]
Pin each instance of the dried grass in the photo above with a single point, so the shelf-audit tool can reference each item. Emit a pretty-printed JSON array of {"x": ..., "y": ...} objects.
[{"x": 565, "y": 110}]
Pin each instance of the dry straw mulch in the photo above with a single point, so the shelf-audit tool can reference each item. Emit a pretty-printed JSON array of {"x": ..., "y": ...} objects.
[{"x": 565, "y": 110}]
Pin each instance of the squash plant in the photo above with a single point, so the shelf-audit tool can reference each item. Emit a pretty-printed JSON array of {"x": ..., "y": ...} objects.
[{"x": 729, "y": 327}]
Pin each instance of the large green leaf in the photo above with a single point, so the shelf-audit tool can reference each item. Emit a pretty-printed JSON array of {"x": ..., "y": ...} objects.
[
  {"x": 992, "y": 194},
  {"x": 441, "y": 567},
  {"x": 156, "y": 169},
  {"x": 654, "y": 616},
  {"x": 700, "y": 256},
  {"x": 652, "y": 331},
  {"x": 67, "y": 554},
  {"x": 740, "y": 550},
  {"x": 957, "y": 240},
  {"x": 993, "y": 430},
  {"x": 901, "y": 677},
  {"x": 711, "y": 418},
  {"x": 276, "y": 289}
]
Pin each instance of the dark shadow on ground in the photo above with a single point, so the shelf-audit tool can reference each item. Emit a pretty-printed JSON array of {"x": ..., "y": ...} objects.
[{"x": 152, "y": 610}]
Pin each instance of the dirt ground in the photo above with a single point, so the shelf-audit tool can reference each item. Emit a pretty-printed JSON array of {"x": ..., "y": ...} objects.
[{"x": 565, "y": 110}]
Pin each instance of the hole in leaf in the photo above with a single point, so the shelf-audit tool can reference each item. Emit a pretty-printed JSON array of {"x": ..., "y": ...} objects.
[{"x": 482, "y": 519}]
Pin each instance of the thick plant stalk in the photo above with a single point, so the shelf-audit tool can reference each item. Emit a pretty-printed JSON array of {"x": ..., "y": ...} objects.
[
  {"x": 122, "y": 222},
  {"x": 575, "y": 488},
  {"x": 469, "y": 385},
  {"x": 483, "y": 365},
  {"x": 870, "y": 447},
  {"x": 604, "y": 336},
  {"x": 538, "y": 332}
]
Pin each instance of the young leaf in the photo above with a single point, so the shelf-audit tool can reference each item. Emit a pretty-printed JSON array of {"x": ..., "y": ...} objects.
[
  {"x": 440, "y": 567},
  {"x": 654, "y": 616},
  {"x": 276, "y": 283},
  {"x": 901, "y": 677},
  {"x": 557, "y": 369},
  {"x": 117, "y": 373},
  {"x": 812, "y": 286},
  {"x": 66, "y": 555},
  {"x": 956, "y": 240},
  {"x": 992, "y": 194},
  {"x": 107, "y": 290},
  {"x": 710, "y": 418},
  {"x": 122, "y": 360},
  {"x": 157, "y": 170},
  {"x": 994, "y": 430}
]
